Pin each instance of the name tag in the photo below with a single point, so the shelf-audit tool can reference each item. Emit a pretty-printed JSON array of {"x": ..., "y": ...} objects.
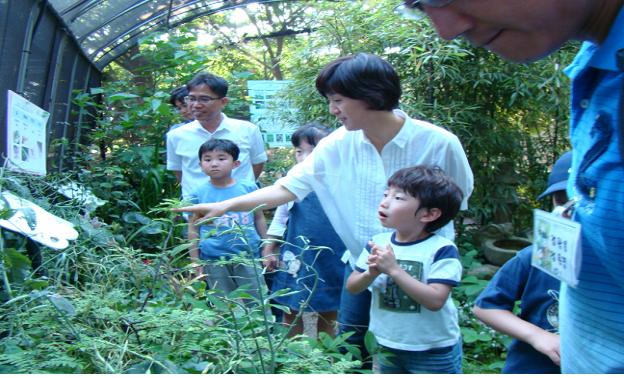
[{"x": 556, "y": 246}]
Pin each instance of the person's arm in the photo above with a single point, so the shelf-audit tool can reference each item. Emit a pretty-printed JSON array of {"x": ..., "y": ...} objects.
[
  {"x": 278, "y": 223},
  {"x": 506, "y": 322},
  {"x": 268, "y": 197},
  {"x": 270, "y": 250},
  {"x": 458, "y": 168},
  {"x": 257, "y": 169},
  {"x": 360, "y": 281},
  {"x": 270, "y": 255},
  {"x": 260, "y": 223},
  {"x": 433, "y": 296},
  {"x": 193, "y": 237},
  {"x": 174, "y": 161}
]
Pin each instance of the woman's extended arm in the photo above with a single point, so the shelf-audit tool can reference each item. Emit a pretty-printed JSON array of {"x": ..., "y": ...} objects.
[{"x": 267, "y": 197}]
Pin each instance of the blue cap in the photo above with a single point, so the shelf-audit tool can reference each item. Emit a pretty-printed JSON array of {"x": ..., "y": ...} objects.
[{"x": 558, "y": 177}]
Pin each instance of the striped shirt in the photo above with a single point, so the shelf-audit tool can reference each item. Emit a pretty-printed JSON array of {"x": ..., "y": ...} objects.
[{"x": 592, "y": 315}]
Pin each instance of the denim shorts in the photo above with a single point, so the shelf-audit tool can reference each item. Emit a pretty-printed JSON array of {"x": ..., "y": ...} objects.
[{"x": 446, "y": 360}]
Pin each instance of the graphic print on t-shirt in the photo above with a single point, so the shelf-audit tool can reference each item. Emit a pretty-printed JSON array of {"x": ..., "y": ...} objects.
[{"x": 394, "y": 298}]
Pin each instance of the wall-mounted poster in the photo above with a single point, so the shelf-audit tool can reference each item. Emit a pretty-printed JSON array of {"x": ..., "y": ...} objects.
[{"x": 26, "y": 135}]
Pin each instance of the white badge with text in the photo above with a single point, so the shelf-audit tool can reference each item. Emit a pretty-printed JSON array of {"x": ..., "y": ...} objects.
[{"x": 556, "y": 246}]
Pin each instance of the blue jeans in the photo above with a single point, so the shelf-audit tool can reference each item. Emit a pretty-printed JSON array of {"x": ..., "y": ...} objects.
[
  {"x": 446, "y": 360},
  {"x": 354, "y": 315}
]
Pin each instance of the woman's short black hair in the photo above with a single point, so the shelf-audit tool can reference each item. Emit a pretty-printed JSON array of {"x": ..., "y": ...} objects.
[
  {"x": 177, "y": 95},
  {"x": 216, "y": 144},
  {"x": 217, "y": 84},
  {"x": 433, "y": 188},
  {"x": 311, "y": 132},
  {"x": 364, "y": 77}
]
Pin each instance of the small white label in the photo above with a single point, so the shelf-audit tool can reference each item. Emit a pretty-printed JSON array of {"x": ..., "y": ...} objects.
[{"x": 556, "y": 246}]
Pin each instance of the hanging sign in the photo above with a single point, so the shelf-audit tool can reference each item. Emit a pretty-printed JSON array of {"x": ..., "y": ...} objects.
[
  {"x": 556, "y": 246},
  {"x": 26, "y": 135}
]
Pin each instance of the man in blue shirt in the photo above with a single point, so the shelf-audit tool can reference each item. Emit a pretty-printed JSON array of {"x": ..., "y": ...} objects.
[{"x": 592, "y": 314}]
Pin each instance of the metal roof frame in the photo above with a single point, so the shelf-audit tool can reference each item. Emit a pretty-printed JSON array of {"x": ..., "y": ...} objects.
[{"x": 102, "y": 45}]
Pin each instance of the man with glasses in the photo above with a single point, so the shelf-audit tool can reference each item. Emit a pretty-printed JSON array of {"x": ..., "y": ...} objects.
[
  {"x": 592, "y": 313},
  {"x": 207, "y": 96}
]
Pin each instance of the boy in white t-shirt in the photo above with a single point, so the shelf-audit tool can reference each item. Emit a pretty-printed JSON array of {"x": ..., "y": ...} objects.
[{"x": 411, "y": 272}]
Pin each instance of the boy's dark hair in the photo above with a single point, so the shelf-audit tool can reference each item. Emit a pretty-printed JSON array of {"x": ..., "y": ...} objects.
[
  {"x": 364, "y": 77},
  {"x": 433, "y": 188},
  {"x": 217, "y": 84},
  {"x": 177, "y": 95},
  {"x": 311, "y": 132},
  {"x": 224, "y": 145}
]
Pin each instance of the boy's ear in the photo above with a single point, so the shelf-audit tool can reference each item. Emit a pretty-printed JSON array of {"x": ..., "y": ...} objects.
[
  {"x": 431, "y": 215},
  {"x": 236, "y": 163}
]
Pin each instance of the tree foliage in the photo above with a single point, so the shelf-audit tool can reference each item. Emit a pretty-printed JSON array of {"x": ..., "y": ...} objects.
[{"x": 511, "y": 119}]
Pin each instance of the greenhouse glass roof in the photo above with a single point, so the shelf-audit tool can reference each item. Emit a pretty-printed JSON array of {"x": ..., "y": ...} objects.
[{"x": 106, "y": 29}]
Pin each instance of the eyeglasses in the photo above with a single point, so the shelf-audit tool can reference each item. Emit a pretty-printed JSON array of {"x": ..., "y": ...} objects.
[
  {"x": 413, "y": 9},
  {"x": 200, "y": 99}
]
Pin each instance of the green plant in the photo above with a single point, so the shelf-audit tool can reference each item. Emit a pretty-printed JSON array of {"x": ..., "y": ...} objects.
[
  {"x": 106, "y": 307},
  {"x": 483, "y": 348},
  {"x": 281, "y": 159}
]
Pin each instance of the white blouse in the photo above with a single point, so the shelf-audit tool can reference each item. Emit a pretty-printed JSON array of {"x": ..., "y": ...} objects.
[{"x": 349, "y": 176}]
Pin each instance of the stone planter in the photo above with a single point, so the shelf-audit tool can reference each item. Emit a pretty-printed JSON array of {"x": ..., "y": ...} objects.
[{"x": 498, "y": 251}]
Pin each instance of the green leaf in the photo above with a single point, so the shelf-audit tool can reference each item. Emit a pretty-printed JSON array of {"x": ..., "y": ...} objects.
[
  {"x": 484, "y": 336},
  {"x": 5, "y": 209},
  {"x": 135, "y": 217},
  {"x": 180, "y": 53},
  {"x": 37, "y": 284},
  {"x": 153, "y": 228},
  {"x": 155, "y": 103},
  {"x": 469, "y": 335},
  {"x": 121, "y": 96},
  {"x": 470, "y": 279},
  {"x": 472, "y": 290},
  {"x": 62, "y": 304},
  {"x": 370, "y": 342},
  {"x": 15, "y": 260}
]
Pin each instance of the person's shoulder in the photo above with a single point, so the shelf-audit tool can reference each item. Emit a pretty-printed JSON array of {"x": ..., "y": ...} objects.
[
  {"x": 176, "y": 126},
  {"x": 523, "y": 257},
  {"x": 520, "y": 263},
  {"x": 203, "y": 188},
  {"x": 247, "y": 185},
  {"x": 444, "y": 248},
  {"x": 228, "y": 121},
  {"x": 340, "y": 139},
  {"x": 418, "y": 126},
  {"x": 441, "y": 240},
  {"x": 182, "y": 129}
]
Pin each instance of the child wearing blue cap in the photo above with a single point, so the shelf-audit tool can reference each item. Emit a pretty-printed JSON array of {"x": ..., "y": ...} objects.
[{"x": 535, "y": 348}]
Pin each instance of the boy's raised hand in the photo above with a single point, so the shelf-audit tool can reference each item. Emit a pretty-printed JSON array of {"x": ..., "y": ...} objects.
[
  {"x": 372, "y": 259},
  {"x": 384, "y": 259}
]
